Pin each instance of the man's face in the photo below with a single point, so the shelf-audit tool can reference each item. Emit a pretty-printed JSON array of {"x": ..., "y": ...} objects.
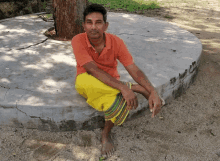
[{"x": 94, "y": 25}]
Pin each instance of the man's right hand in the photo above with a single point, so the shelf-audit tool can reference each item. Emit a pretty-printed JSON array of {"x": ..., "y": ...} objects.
[{"x": 130, "y": 97}]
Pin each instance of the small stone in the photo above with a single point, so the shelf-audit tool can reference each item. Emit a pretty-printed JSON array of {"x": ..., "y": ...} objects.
[
  {"x": 218, "y": 154},
  {"x": 161, "y": 117},
  {"x": 132, "y": 150},
  {"x": 69, "y": 150},
  {"x": 14, "y": 130}
]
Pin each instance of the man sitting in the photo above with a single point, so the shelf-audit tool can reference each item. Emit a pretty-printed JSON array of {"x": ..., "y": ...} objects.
[{"x": 96, "y": 53}]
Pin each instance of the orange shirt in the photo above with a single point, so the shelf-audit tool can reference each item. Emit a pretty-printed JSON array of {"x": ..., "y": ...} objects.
[{"x": 107, "y": 60}]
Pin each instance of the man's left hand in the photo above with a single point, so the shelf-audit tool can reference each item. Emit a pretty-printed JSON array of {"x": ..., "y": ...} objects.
[{"x": 155, "y": 103}]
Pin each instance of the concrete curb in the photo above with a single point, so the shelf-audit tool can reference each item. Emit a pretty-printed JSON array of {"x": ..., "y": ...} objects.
[{"x": 37, "y": 77}]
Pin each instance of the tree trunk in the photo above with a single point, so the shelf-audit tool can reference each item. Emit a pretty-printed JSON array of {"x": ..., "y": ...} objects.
[
  {"x": 39, "y": 5},
  {"x": 68, "y": 17}
]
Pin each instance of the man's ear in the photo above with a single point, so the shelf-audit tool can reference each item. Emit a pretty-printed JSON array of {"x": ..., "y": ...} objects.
[
  {"x": 106, "y": 25},
  {"x": 83, "y": 24}
]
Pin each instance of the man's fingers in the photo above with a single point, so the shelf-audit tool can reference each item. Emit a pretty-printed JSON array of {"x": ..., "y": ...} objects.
[
  {"x": 150, "y": 103},
  {"x": 153, "y": 109},
  {"x": 135, "y": 103},
  {"x": 128, "y": 106},
  {"x": 132, "y": 104},
  {"x": 155, "y": 104},
  {"x": 156, "y": 110},
  {"x": 152, "y": 114}
]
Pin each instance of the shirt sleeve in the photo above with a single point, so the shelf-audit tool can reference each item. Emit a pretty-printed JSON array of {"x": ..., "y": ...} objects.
[
  {"x": 81, "y": 54},
  {"x": 124, "y": 55}
]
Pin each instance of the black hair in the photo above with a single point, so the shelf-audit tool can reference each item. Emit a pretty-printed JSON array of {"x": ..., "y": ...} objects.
[{"x": 95, "y": 8}]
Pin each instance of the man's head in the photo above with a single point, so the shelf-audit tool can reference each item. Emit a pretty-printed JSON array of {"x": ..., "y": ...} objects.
[
  {"x": 95, "y": 16},
  {"x": 95, "y": 8}
]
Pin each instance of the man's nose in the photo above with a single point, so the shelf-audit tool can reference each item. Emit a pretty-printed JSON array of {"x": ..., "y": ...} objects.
[{"x": 93, "y": 25}]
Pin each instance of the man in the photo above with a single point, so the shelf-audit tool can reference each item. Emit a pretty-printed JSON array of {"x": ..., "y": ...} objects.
[{"x": 97, "y": 77}]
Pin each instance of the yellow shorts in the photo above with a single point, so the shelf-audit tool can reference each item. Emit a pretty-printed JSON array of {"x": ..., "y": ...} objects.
[{"x": 102, "y": 97}]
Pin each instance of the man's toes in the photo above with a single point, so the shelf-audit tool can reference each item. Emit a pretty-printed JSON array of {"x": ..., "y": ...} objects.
[
  {"x": 112, "y": 151},
  {"x": 109, "y": 154}
]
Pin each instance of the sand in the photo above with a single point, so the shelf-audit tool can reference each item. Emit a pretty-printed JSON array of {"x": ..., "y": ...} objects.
[{"x": 186, "y": 129}]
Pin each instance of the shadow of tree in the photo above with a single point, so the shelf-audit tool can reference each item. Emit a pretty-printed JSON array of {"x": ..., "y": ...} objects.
[
  {"x": 204, "y": 24},
  {"x": 42, "y": 68},
  {"x": 143, "y": 136},
  {"x": 37, "y": 72}
]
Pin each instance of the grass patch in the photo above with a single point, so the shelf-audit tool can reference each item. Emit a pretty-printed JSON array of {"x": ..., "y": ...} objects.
[
  {"x": 48, "y": 16},
  {"x": 130, "y": 5},
  {"x": 168, "y": 16}
]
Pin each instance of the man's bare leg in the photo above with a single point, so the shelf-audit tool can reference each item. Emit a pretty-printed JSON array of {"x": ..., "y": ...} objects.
[{"x": 107, "y": 145}]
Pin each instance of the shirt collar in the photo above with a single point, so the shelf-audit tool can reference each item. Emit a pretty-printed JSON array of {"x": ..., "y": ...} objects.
[{"x": 107, "y": 41}]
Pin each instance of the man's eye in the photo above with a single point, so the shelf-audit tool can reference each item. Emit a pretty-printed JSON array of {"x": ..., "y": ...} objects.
[{"x": 96, "y": 22}]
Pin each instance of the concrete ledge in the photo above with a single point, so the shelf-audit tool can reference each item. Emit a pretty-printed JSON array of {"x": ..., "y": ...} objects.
[{"x": 37, "y": 74}]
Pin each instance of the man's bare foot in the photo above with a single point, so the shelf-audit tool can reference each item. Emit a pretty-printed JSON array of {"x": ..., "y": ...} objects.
[{"x": 107, "y": 146}]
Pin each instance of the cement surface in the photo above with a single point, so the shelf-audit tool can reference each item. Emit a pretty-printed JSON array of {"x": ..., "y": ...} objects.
[{"x": 37, "y": 74}]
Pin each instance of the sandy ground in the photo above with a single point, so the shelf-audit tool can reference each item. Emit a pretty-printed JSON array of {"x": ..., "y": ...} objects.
[{"x": 189, "y": 128}]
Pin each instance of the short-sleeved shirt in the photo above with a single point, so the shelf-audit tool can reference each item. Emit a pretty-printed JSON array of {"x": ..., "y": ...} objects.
[{"x": 107, "y": 60}]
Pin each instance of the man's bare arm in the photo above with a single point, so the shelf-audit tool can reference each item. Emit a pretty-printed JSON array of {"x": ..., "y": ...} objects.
[
  {"x": 154, "y": 99},
  {"x": 106, "y": 78},
  {"x": 140, "y": 77}
]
